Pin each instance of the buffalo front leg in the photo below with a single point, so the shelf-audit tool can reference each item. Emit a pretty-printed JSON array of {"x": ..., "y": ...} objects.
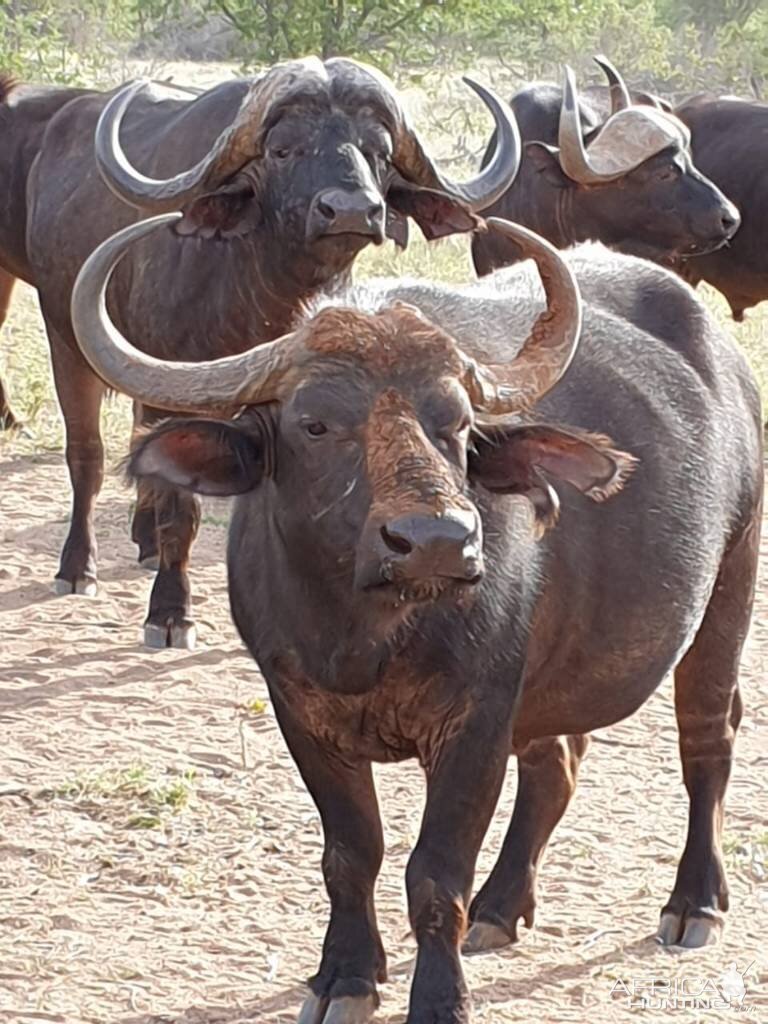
[
  {"x": 7, "y": 420},
  {"x": 177, "y": 518},
  {"x": 547, "y": 771},
  {"x": 80, "y": 393},
  {"x": 463, "y": 787},
  {"x": 708, "y": 708},
  {"x": 343, "y": 991}
]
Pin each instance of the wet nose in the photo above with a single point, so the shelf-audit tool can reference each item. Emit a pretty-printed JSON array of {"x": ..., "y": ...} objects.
[
  {"x": 424, "y": 547},
  {"x": 338, "y": 211}
]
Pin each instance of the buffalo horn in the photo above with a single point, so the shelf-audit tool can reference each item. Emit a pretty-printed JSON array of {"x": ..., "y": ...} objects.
[
  {"x": 573, "y": 154},
  {"x": 546, "y": 354},
  {"x": 227, "y": 383},
  {"x": 620, "y": 98},
  {"x": 237, "y": 144}
]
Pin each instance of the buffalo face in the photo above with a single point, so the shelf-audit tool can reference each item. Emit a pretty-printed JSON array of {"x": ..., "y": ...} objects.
[
  {"x": 663, "y": 209},
  {"x": 318, "y": 190},
  {"x": 668, "y": 207},
  {"x": 369, "y": 464}
]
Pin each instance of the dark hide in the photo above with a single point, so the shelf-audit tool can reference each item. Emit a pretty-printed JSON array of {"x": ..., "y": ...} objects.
[
  {"x": 650, "y": 566},
  {"x": 730, "y": 145},
  {"x": 663, "y": 208}
]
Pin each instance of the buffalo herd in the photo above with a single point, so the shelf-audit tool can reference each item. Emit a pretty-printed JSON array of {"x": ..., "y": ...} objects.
[{"x": 470, "y": 522}]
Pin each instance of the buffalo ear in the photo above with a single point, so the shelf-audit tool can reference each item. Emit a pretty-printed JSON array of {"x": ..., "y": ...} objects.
[
  {"x": 205, "y": 456},
  {"x": 546, "y": 161},
  {"x": 436, "y": 213},
  {"x": 230, "y": 212},
  {"x": 524, "y": 459}
]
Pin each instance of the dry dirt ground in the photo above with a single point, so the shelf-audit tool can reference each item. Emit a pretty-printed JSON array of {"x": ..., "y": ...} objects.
[{"x": 159, "y": 858}]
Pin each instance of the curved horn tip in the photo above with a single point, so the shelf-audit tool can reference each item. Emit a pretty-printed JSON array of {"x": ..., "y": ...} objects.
[
  {"x": 569, "y": 87},
  {"x": 620, "y": 97},
  {"x": 602, "y": 61}
]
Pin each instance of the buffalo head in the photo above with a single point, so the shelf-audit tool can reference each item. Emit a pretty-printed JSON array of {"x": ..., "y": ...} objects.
[
  {"x": 359, "y": 430},
  {"x": 322, "y": 158},
  {"x": 636, "y": 178}
]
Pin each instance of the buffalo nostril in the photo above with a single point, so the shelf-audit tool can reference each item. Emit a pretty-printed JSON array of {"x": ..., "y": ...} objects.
[
  {"x": 326, "y": 210},
  {"x": 395, "y": 542}
]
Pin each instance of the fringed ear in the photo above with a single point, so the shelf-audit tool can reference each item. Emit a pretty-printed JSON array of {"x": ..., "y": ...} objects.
[
  {"x": 230, "y": 212},
  {"x": 522, "y": 459},
  {"x": 436, "y": 213},
  {"x": 205, "y": 456},
  {"x": 546, "y": 160}
]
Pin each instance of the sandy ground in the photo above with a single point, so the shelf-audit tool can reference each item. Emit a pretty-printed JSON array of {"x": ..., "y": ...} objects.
[{"x": 159, "y": 858}]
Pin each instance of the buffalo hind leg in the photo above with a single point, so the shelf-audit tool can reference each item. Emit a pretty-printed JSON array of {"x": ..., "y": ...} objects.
[
  {"x": 143, "y": 525},
  {"x": 165, "y": 524},
  {"x": 708, "y": 708},
  {"x": 177, "y": 519},
  {"x": 343, "y": 991},
  {"x": 80, "y": 394},
  {"x": 547, "y": 771},
  {"x": 7, "y": 420}
]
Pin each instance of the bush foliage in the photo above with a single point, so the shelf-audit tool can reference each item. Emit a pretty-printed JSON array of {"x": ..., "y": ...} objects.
[{"x": 674, "y": 46}]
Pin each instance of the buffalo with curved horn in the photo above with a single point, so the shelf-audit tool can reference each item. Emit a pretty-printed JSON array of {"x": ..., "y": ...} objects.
[
  {"x": 626, "y": 180},
  {"x": 437, "y": 553},
  {"x": 282, "y": 181}
]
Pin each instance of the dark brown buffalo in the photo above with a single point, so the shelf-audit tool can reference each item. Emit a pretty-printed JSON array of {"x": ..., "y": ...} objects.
[
  {"x": 609, "y": 166},
  {"x": 40, "y": 105},
  {"x": 729, "y": 139},
  {"x": 283, "y": 180},
  {"x": 437, "y": 553}
]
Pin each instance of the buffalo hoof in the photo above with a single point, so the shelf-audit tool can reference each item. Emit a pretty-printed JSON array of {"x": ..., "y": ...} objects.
[
  {"x": 345, "y": 1010},
  {"x": 181, "y": 636},
  {"x": 688, "y": 931},
  {"x": 483, "y": 937},
  {"x": 150, "y": 562},
  {"x": 84, "y": 586}
]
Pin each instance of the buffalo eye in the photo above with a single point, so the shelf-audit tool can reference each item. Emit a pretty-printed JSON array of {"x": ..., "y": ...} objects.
[
  {"x": 281, "y": 152},
  {"x": 669, "y": 172},
  {"x": 448, "y": 438},
  {"x": 315, "y": 428}
]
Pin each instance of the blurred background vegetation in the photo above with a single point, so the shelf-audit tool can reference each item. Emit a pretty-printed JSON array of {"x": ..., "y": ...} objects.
[{"x": 673, "y": 46}]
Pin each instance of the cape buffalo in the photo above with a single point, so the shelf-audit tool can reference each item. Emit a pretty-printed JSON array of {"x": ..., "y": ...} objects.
[
  {"x": 283, "y": 180},
  {"x": 398, "y": 570},
  {"x": 729, "y": 139},
  {"x": 627, "y": 181}
]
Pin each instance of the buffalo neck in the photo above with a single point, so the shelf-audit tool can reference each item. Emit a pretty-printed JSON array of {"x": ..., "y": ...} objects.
[{"x": 201, "y": 299}]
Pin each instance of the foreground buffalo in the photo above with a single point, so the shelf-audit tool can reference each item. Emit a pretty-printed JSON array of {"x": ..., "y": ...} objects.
[
  {"x": 627, "y": 181},
  {"x": 398, "y": 569},
  {"x": 729, "y": 139},
  {"x": 292, "y": 175}
]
